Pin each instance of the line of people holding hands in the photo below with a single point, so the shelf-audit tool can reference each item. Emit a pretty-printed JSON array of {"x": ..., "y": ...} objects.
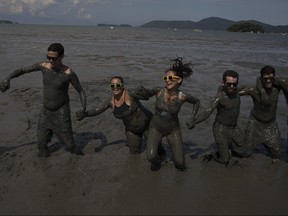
[{"x": 141, "y": 123}]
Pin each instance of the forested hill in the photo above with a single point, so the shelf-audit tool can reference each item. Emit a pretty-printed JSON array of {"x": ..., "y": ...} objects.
[{"x": 211, "y": 23}]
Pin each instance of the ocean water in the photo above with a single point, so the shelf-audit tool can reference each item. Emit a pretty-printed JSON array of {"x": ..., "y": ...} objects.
[
  {"x": 141, "y": 55},
  {"x": 96, "y": 52}
]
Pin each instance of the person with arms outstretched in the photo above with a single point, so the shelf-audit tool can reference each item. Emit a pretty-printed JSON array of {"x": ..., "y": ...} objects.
[
  {"x": 226, "y": 131},
  {"x": 165, "y": 121},
  {"x": 55, "y": 115},
  {"x": 127, "y": 107},
  {"x": 262, "y": 127}
]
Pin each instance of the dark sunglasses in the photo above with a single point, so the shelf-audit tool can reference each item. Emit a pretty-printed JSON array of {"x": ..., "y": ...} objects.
[
  {"x": 116, "y": 85},
  {"x": 271, "y": 78},
  {"x": 231, "y": 84},
  {"x": 170, "y": 78},
  {"x": 52, "y": 58}
]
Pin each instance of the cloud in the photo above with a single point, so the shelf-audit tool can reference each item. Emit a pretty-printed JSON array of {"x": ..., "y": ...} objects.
[
  {"x": 51, "y": 8},
  {"x": 83, "y": 15},
  {"x": 22, "y": 6}
]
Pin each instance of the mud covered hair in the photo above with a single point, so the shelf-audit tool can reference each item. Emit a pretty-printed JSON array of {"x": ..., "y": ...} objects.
[
  {"x": 182, "y": 70},
  {"x": 56, "y": 47},
  {"x": 118, "y": 77},
  {"x": 230, "y": 73},
  {"x": 267, "y": 70}
]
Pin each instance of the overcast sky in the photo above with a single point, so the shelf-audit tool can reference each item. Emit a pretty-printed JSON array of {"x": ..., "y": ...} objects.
[{"x": 138, "y": 12}]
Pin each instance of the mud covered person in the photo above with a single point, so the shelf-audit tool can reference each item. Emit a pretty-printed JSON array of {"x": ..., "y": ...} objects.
[
  {"x": 127, "y": 107},
  {"x": 165, "y": 121},
  {"x": 262, "y": 127},
  {"x": 54, "y": 116},
  {"x": 226, "y": 132}
]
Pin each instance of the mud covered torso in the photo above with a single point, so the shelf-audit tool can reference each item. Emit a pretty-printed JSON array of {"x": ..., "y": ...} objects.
[
  {"x": 124, "y": 111},
  {"x": 165, "y": 118},
  {"x": 228, "y": 109},
  {"x": 55, "y": 84},
  {"x": 167, "y": 110},
  {"x": 133, "y": 117},
  {"x": 55, "y": 91},
  {"x": 266, "y": 113}
]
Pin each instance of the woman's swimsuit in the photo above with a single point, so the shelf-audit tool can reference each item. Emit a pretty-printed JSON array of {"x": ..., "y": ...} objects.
[
  {"x": 125, "y": 110},
  {"x": 138, "y": 122}
]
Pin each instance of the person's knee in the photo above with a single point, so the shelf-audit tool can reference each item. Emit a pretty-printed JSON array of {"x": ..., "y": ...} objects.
[
  {"x": 134, "y": 150},
  {"x": 134, "y": 142},
  {"x": 180, "y": 166},
  {"x": 151, "y": 157},
  {"x": 179, "y": 163},
  {"x": 134, "y": 147},
  {"x": 275, "y": 153}
]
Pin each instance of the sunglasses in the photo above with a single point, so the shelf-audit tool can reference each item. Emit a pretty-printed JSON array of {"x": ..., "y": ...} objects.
[
  {"x": 231, "y": 84},
  {"x": 52, "y": 58},
  {"x": 116, "y": 85},
  {"x": 271, "y": 78},
  {"x": 170, "y": 78}
]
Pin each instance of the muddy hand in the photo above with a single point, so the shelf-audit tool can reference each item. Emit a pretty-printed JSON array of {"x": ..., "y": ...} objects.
[
  {"x": 190, "y": 123},
  {"x": 80, "y": 114},
  {"x": 4, "y": 85}
]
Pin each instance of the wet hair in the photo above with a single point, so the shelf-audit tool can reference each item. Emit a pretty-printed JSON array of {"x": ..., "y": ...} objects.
[
  {"x": 230, "y": 73},
  {"x": 117, "y": 77},
  {"x": 179, "y": 68},
  {"x": 56, "y": 47},
  {"x": 267, "y": 70}
]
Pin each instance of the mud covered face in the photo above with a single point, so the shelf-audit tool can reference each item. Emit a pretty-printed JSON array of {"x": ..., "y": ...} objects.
[
  {"x": 267, "y": 80},
  {"x": 54, "y": 58},
  {"x": 171, "y": 80},
  {"x": 116, "y": 86},
  {"x": 231, "y": 84}
]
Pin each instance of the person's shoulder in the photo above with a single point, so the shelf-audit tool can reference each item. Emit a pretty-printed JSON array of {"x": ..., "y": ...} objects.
[
  {"x": 220, "y": 94},
  {"x": 45, "y": 64},
  {"x": 67, "y": 70},
  {"x": 158, "y": 89}
]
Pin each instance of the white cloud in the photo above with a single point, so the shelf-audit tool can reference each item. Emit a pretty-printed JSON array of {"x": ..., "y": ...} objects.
[
  {"x": 83, "y": 15},
  {"x": 21, "y": 6}
]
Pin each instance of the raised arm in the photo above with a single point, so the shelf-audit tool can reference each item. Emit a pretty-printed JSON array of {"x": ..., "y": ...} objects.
[
  {"x": 246, "y": 90},
  {"x": 283, "y": 84},
  {"x": 142, "y": 93},
  {"x": 5, "y": 84},
  {"x": 263, "y": 95}
]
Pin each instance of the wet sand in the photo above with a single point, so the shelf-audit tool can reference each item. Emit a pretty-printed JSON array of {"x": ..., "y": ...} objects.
[{"x": 110, "y": 181}]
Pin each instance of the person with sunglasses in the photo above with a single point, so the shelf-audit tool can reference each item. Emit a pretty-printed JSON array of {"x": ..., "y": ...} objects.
[
  {"x": 262, "y": 126},
  {"x": 227, "y": 134},
  {"x": 165, "y": 121},
  {"x": 127, "y": 107},
  {"x": 55, "y": 116}
]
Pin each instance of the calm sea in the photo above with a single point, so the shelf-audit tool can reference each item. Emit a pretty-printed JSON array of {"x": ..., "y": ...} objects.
[
  {"x": 141, "y": 55},
  {"x": 96, "y": 52}
]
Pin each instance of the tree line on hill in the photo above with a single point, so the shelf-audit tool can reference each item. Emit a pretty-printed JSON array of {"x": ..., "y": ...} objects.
[
  {"x": 7, "y": 22},
  {"x": 219, "y": 24}
]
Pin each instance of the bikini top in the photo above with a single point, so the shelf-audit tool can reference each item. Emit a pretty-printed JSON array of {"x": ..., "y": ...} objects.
[{"x": 125, "y": 110}]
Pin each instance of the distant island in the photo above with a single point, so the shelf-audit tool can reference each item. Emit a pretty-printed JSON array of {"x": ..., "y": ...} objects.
[
  {"x": 7, "y": 22},
  {"x": 207, "y": 24},
  {"x": 113, "y": 25},
  {"x": 214, "y": 24}
]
